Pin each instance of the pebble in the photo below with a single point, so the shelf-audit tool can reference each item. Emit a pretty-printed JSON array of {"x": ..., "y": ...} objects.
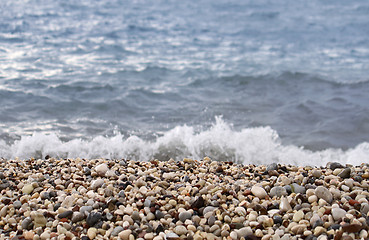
[
  {"x": 27, "y": 189},
  {"x": 39, "y": 219},
  {"x": 91, "y": 233},
  {"x": 101, "y": 169},
  {"x": 183, "y": 216},
  {"x": 259, "y": 192},
  {"x": 323, "y": 193},
  {"x": 338, "y": 213},
  {"x": 93, "y": 218},
  {"x": 181, "y": 230},
  {"x": 277, "y": 191},
  {"x": 284, "y": 205},
  {"x": 124, "y": 235}
]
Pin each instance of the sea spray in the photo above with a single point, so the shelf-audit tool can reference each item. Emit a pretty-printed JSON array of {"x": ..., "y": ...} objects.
[{"x": 221, "y": 142}]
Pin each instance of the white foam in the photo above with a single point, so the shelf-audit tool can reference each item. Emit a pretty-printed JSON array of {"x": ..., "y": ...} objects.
[{"x": 221, "y": 142}]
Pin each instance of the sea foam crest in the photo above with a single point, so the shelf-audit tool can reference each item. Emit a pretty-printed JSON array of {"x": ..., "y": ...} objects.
[{"x": 259, "y": 145}]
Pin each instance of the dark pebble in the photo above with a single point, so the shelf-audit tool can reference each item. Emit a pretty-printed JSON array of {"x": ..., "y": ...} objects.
[
  {"x": 93, "y": 218},
  {"x": 198, "y": 203},
  {"x": 318, "y": 223},
  {"x": 66, "y": 214},
  {"x": 346, "y": 173},
  {"x": 334, "y": 165},
  {"x": 277, "y": 219},
  {"x": 159, "y": 229},
  {"x": 159, "y": 214},
  {"x": 334, "y": 226}
]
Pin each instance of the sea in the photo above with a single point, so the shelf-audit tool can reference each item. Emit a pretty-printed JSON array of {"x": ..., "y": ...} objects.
[{"x": 254, "y": 82}]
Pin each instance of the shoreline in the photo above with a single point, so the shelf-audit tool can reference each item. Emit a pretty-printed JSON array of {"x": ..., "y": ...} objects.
[{"x": 189, "y": 199}]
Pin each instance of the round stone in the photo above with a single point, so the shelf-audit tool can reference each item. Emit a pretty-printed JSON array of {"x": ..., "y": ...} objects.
[
  {"x": 258, "y": 192},
  {"x": 183, "y": 216}
]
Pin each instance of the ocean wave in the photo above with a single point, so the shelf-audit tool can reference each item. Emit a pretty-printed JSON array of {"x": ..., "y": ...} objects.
[{"x": 221, "y": 142}]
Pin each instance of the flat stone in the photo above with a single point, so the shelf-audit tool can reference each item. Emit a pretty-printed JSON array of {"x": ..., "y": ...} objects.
[
  {"x": 352, "y": 228},
  {"x": 66, "y": 214}
]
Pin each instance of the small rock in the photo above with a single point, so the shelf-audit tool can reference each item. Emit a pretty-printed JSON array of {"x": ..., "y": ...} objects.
[
  {"x": 91, "y": 233},
  {"x": 26, "y": 223},
  {"x": 346, "y": 173},
  {"x": 277, "y": 191},
  {"x": 324, "y": 193},
  {"x": 284, "y": 205},
  {"x": 316, "y": 173},
  {"x": 101, "y": 169},
  {"x": 259, "y": 192},
  {"x": 297, "y": 188},
  {"x": 338, "y": 213},
  {"x": 180, "y": 230},
  {"x": 95, "y": 184},
  {"x": 183, "y": 216},
  {"x": 116, "y": 231},
  {"x": 299, "y": 215},
  {"x": 27, "y": 189},
  {"x": 319, "y": 230},
  {"x": 334, "y": 165},
  {"x": 124, "y": 235},
  {"x": 208, "y": 209},
  {"x": 77, "y": 216},
  {"x": 93, "y": 218},
  {"x": 241, "y": 211},
  {"x": 39, "y": 219},
  {"x": 65, "y": 214},
  {"x": 352, "y": 228},
  {"x": 172, "y": 236},
  {"x": 272, "y": 166},
  {"x": 136, "y": 216}
]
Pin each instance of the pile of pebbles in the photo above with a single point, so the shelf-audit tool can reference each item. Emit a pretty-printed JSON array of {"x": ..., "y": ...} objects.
[{"x": 189, "y": 199}]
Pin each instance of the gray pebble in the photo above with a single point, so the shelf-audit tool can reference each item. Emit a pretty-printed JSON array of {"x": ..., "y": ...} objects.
[
  {"x": 26, "y": 223},
  {"x": 116, "y": 231},
  {"x": 278, "y": 191},
  {"x": 78, "y": 216},
  {"x": 183, "y": 216}
]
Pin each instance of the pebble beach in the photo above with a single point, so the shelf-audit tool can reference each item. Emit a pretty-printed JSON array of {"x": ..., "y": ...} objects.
[{"x": 189, "y": 199}]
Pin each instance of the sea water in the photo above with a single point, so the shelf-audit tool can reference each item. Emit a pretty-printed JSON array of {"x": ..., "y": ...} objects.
[{"x": 246, "y": 81}]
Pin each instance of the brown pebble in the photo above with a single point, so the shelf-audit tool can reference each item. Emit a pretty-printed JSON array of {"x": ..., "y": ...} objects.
[{"x": 351, "y": 228}]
